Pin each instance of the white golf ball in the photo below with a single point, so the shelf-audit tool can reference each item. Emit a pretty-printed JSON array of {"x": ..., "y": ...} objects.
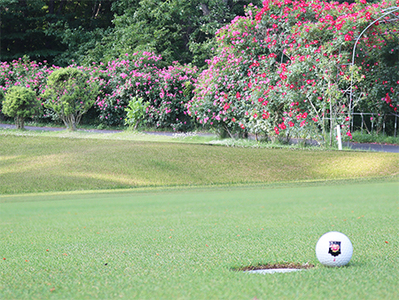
[{"x": 334, "y": 249}]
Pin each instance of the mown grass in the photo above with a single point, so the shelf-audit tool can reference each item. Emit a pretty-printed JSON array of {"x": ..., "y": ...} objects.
[
  {"x": 40, "y": 164},
  {"x": 185, "y": 244},
  {"x": 159, "y": 242}
]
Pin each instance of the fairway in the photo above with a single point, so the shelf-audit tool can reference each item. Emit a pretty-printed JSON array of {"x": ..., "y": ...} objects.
[{"x": 185, "y": 243}]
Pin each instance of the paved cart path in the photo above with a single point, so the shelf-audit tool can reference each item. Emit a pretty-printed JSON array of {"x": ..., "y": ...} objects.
[{"x": 356, "y": 146}]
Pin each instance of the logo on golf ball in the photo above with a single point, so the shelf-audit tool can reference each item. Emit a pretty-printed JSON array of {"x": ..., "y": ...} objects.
[{"x": 335, "y": 248}]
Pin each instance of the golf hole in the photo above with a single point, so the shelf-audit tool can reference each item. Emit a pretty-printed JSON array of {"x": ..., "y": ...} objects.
[{"x": 275, "y": 268}]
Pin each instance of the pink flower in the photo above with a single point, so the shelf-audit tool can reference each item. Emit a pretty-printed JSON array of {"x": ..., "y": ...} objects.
[
  {"x": 349, "y": 134},
  {"x": 348, "y": 37},
  {"x": 282, "y": 126}
]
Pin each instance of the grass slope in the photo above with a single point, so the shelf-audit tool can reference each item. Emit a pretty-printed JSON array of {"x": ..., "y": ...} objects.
[
  {"x": 184, "y": 244},
  {"x": 39, "y": 164}
]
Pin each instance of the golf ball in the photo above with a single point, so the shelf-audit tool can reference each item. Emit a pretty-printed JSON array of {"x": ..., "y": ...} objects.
[{"x": 334, "y": 249}]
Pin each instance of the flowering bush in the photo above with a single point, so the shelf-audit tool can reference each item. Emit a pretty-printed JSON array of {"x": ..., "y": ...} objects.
[
  {"x": 162, "y": 89},
  {"x": 285, "y": 68},
  {"x": 24, "y": 73}
]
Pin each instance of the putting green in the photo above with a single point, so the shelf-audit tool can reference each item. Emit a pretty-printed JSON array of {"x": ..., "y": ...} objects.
[{"x": 184, "y": 244}]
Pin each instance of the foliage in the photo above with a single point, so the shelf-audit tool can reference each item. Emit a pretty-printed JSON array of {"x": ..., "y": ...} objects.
[
  {"x": 360, "y": 137},
  {"x": 26, "y": 73},
  {"x": 178, "y": 30},
  {"x": 22, "y": 33},
  {"x": 23, "y": 72},
  {"x": 78, "y": 26},
  {"x": 283, "y": 70},
  {"x": 20, "y": 103},
  {"x": 44, "y": 29},
  {"x": 69, "y": 94},
  {"x": 279, "y": 71},
  {"x": 1, "y": 103},
  {"x": 135, "y": 112},
  {"x": 140, "y": 76}
]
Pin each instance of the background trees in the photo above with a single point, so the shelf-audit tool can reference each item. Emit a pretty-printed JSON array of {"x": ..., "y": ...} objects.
[
  {"x": 84, "y": 31},
  {"x": 179, "y": 30},
  {"x": 279, "y": 70},
  {"x": 52, "y": 30}
]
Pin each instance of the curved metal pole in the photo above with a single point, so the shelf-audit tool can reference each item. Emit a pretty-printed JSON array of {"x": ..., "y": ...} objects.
[{"x": 389, "y": 11}]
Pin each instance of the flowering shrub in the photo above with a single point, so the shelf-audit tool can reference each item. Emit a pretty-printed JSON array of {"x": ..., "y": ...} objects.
[
  {"x": 221, "y": 96},
  {"x": 285, "y": 68},
  {"x": 24, "y": 73},
  {"x": 281, "y": 70},
  {"x": 162, "y": 89},
  {"x": 119, "y": 81}
]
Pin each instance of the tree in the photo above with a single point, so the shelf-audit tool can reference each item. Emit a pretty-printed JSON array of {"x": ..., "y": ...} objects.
[
  {"x": 178, "y": 30},
  {"x": 53, "y": 30},
  {"x": 69, "y": 94},
  {"x": 20, "y": 103},
  {"x": 23, "y": 24},
  {"x": 78, "y": 26}
]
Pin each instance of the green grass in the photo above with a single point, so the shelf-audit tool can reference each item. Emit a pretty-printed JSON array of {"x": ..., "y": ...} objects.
[
  {"x": 40, "y": 164},
  {"x": 184, "y": 244},
  {"x": 197, "y": 212},
  {"x": 374, "y": 138}
]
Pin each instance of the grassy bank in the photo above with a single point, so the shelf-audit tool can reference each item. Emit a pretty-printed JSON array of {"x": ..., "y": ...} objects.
[{"x": 40, "y": 164}]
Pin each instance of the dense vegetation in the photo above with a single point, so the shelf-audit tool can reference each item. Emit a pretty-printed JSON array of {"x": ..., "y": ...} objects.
[
  {"x": 101, "y": 30},
  {"x": 280, "y": 70}
]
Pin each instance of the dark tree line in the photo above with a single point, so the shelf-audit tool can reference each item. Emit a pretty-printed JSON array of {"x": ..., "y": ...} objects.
[
  {"x": 39, "y": 28},
  {"x": 62, "y": 31},
  {"x": 85, "y": 31}
]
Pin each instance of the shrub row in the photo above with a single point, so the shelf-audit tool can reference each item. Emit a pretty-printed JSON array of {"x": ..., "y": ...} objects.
[
  {"x": 165, "y": 91},
  {"x": 281, "y": 70}
]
